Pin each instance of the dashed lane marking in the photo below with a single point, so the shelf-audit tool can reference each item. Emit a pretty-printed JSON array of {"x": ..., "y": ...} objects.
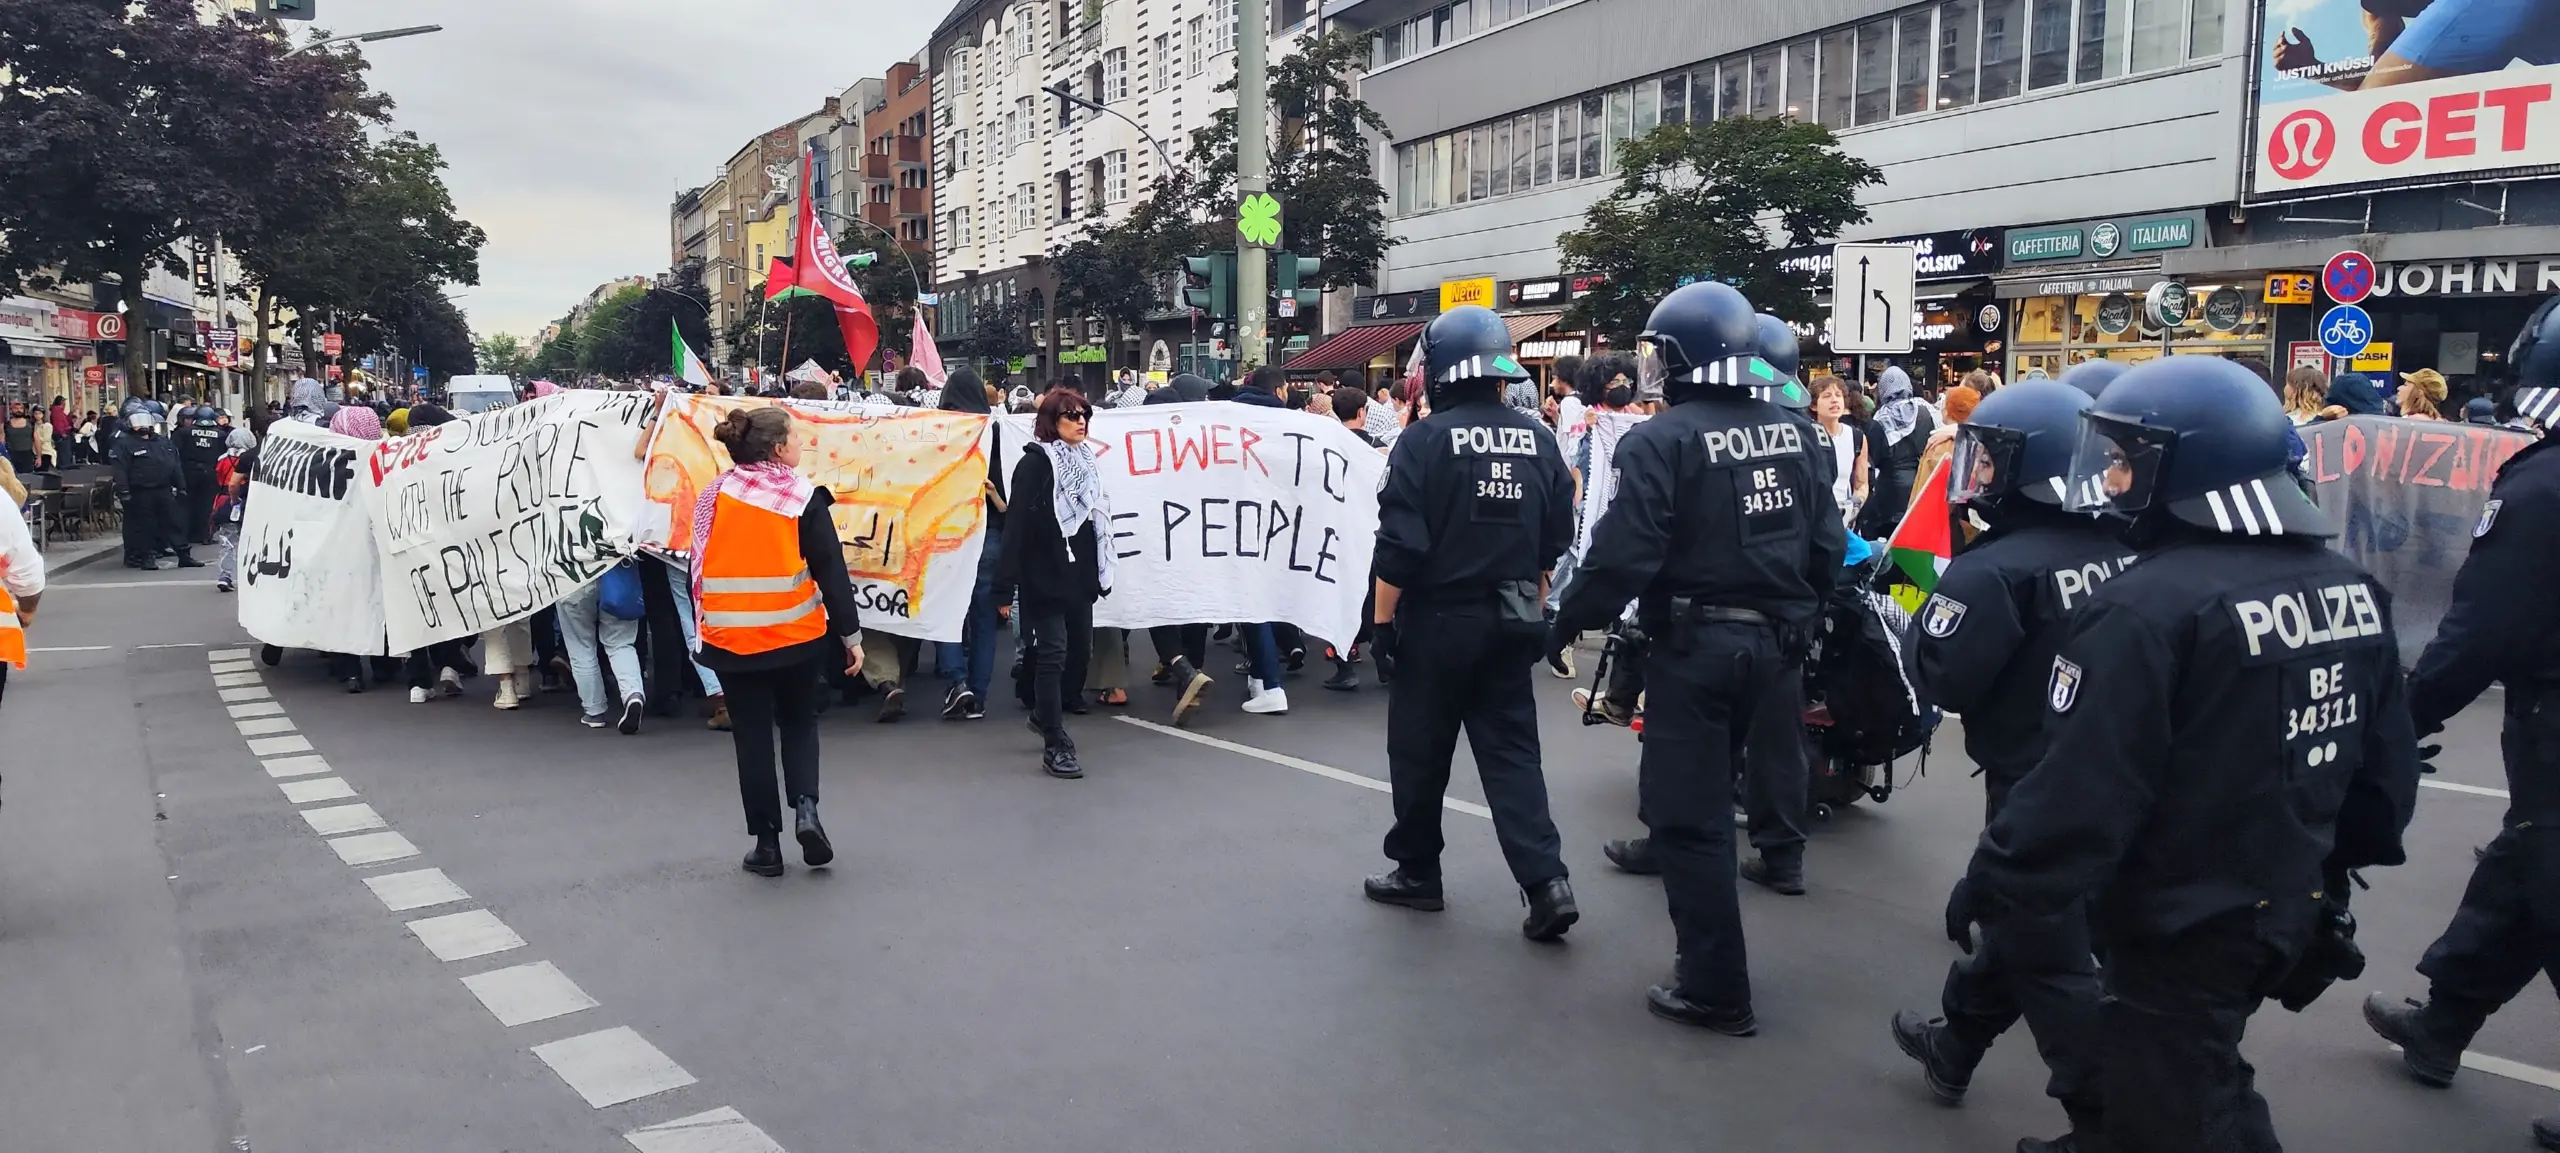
[
  {"x": 282, "y": 767},
  {"x": 234, "y": 680},
  {"x": 251, "y": 693},
  {"x": 261, "y": 726},
  {"x": 267, "y": 708},
  {"x": 74, "y": 649},
  {"x": 227, "y": 655},
  {"x": 170, "y": 645},
  {"x": 373, "y": 848},
  {"x": 522, "y": 994},
  {"x": 415, "y": 889},
  {"x": 274, "y": 746},
  {"x": 2511, "y": 1070},
  {"x": 612, "y": 1066},
  {"x": 462, "y": 936},
  {"x": 2473, "y": 790},
  {"x": 338, "y": 819},
  {"x": 313, "y": 792},
  {"x": 721, "y": 1130},
  {"x": 1328, "y": 772},
  {"x": 168, "y": 584}
]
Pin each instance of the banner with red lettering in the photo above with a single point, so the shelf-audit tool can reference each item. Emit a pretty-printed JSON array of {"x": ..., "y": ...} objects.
[
  {"x": 2407, "y": 494},
  {"x": 2346, "y": 97}
]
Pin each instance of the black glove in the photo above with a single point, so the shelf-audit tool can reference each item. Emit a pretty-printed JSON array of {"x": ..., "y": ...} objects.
[
  {"x": 2427, "y": 757},
  {"x": 1960, "y": 915},
  {"x": 1382, "y": 646}
]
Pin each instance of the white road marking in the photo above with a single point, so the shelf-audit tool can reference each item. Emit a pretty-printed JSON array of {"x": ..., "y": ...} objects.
[
  {"x": 227, "y": 655},
  {"x": 73, "y": 649},
  {"x": 170, "y": 584},
  {"x": 2473, "y": 790},
  {"x": 234, "y": 680},
  {"x": 272, "y": 746},
  {"x": 373, "y": 848},
  {"x": 266, "y": 708},
  {"x": 1328, "y": 772},
  {"x": 612, "y": 1066},
  {"x": 721, "y": 1130},
  {"x": 296, "y": 766},
  {"x": 225, "y": 670},
  {"x": 527, "y": 993},
  {"x": 336, "y": 819},
  {"x": 416, "y": 889},
  {"x": 462, "y": 936},
  {"x": 2511, "y": 1070},
  {"x": 252, "y": 693},
  {"x": 172, "y": 644},
  {"x": 260, "y": 726},
  {"x": 313, "y": 792}
]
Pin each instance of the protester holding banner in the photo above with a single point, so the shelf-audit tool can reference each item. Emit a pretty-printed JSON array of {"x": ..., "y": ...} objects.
[
  {"x": 1053, "y": 554},
  {"x": 969, "y": 664},
  {"x": 772, "y": 599}
]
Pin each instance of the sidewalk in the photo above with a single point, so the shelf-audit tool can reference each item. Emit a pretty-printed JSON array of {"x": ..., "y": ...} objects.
[{"x": 62, "y": 555}]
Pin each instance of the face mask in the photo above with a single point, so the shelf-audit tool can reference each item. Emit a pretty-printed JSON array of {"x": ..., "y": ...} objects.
[{"x": 1618, "y": 396}]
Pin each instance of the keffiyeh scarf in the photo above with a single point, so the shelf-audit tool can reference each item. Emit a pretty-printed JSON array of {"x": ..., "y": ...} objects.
[
  {"x": 1900, "y": 412},
  {"x": 1080, "y": 501}
]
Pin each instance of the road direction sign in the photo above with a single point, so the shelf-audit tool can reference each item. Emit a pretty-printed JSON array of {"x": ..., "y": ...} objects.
[
  {"x": 2345, "y": 331},
  {"x": 1872, "y": 298},
  {"x": 2348, "y": 277}
]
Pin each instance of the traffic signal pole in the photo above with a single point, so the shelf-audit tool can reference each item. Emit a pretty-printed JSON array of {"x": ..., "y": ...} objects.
[{"x": 1253, "y": 178}]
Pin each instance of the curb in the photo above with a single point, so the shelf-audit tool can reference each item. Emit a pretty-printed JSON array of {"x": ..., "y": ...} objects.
[{"x": 81, "y": 562}]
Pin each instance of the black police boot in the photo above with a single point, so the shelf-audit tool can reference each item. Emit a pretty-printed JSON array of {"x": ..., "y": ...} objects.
[
  {"x": 1926, "y": 1041},
  {"x": 185, "y": 560},
  {"x": 2430, "y": 1046},
  {"x": 2546, "y": 1131},
  {"x": 1344, "y": 679},
  {"x": 1551, "y": 910},
  {"x": 1409, "y": 889},
  {"x": 1634, "y": 856},
  {"x": 1784, "y": 874},
  {"x": 766, "y": 860},
  {"x": 1675, "y": 1006},
  {"x": 815, "y": 850}
]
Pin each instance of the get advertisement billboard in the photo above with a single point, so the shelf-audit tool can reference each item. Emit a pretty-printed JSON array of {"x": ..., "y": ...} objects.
[{"x": 2358, "y": 92}]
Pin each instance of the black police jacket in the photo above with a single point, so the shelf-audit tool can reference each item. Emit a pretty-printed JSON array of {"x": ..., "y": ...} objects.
[
  {"x": 2226, "y": 720},
  {"x": 1983, "y": 644},
  {"x": 1476, "y": 494},
  {"x": 144, "y": 463},
  {"x": 200, "y": 437},
  {"x": 2502, "y": 624},
  {"x": 1718, "y": 501}
]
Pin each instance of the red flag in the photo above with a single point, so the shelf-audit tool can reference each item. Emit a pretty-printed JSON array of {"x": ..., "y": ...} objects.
[{"x": 819, "y": 271}]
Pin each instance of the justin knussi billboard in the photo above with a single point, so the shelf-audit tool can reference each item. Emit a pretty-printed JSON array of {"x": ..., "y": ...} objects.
[{"x": 2351, "y": 92}]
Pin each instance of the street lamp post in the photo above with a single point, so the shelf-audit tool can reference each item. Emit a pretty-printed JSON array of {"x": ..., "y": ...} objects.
[
  {"x": 369, "y": 37},
  {"x": 1062, "y": 92}
]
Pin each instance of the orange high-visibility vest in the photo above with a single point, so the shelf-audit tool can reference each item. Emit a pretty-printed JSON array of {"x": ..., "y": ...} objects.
[
  {"x": 13, "y": 636},
  {"x": 757, "y": 595}
]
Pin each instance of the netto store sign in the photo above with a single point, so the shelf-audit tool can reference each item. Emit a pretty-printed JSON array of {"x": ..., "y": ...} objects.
[
  {"x": 1966, "y": 255},
  {"x": 2112, "y": 239}
]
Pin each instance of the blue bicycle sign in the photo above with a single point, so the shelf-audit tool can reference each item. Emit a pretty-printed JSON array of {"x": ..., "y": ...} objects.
[{"x": 2345, "y": 330}]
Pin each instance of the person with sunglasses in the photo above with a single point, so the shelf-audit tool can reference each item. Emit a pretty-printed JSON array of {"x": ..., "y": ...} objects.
[{"x": 1053, "y": 554}]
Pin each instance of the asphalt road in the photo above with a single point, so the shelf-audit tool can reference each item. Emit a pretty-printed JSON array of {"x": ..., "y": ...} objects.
[{"x": 1171, "y": 954}]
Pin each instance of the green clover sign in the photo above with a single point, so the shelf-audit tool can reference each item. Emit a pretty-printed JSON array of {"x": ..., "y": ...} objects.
[{"x": 1258, "y": 219}]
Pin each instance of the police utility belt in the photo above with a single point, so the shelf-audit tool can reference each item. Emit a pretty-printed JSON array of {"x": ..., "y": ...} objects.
[
  {"x": 1680, "y": 616},
  {"x": 1517, "y": 610}
]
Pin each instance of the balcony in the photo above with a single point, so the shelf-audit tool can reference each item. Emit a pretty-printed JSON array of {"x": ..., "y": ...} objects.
[
  {"x": 875, "y": 165},
  {"x": 911, "y": 150},
  {"x": 915, "y": 201},
  {"x": 877, "y": 214}
]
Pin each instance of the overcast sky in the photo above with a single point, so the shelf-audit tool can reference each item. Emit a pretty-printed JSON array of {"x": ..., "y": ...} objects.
[{"x": 569, "y": 125}]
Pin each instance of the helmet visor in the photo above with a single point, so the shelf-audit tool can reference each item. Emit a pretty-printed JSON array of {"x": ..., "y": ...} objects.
[
  {"x": 1650, "y": 371},
  {"x": 2117, "y": 465},
  {"x": 1983, "y": 462}
]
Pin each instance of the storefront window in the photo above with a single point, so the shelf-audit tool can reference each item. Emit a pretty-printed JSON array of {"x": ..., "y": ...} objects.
[
  {"x": 1911, "y": 66},
  {"x": 1874, "y": 100},
  {"x": 2102, "y": 32},
  {"x": 2049, "y": 45},
  {"x": 1959, "y": 25},
  {"x": 2055, "y": 332},
  {"x": 2004, "y": 42},
  {"x": 1833, "y": 97}
]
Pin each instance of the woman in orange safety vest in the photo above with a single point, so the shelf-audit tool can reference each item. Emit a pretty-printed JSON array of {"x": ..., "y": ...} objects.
[
  {"x": 771, "y": 599},
  {"x": 21, "y": 575}
]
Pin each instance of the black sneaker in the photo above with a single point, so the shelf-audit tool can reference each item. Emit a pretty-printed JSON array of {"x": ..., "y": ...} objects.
[
  {"x": 971, "y": 708},
  {"x": 2431, "y": 1057},
  {"x": 1925, "y": 1040},
  {"x": 893, "y": 705},
  {"x": 594, "y": 720},
  {"x": 1061, "y": 763},
  {"x": 951, "y": 703},
  {"x": 630, "y": 720},
  {"x": 1345, "y": 679}
]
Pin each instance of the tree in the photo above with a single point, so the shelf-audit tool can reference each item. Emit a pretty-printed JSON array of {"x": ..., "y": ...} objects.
[
  {"x": 888, "y": 285},
  {"x": 129, "y": 125},
  {"x": 611, "y": 345},
  {"x": 1332, "y": 206},
  {"x": 1688, "y": 207},
  {"x": 997, "y": 337},
  {"x": 1118, "y": 272},
  {"x": 558, "y": 356},
  {"x": 502, "y": 353}
]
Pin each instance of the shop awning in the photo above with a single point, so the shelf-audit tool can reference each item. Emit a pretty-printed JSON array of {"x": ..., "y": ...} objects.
[
  {"x": 1356, "y": 347},
  {"x": 38, "y": 349},
  {"x": 189, "y": 365},
  {"x": 1527, "y": 324}
]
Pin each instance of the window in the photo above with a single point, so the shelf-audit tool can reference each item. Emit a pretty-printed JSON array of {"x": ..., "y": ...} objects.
[
  {"x": 1093, "y": 186},
  {"x": 1621, "y": 125},
  {"x": 1832, "y": 101},
  {"x": 1568, "y": 141},
  {"x": 1431, "y": 173},
  {"x": 1162, "y": 62},
  {"x": 1648, "y": 107},
  {"x": 1593, "y": 109},
  {"x": 1442, "y": 31},
  {"x": 1027, "y": 116},
  {"x": 1911, "y": 65},
  {"x": 1226, "y": 29},
  {"x": 1287, "y": 14},
  {"x": 2156, "y": 34},
  {"x": 732, "y": 232},
  {"x": 960, "y": 226},
  {"x": 1404, "y": 178},
  {"x": 1115, "y": 74},
  {"x": 1115, "y": 177},
  {"x": 733, "y": 274},
  {"x": 1675, "y": 98},
  {"x": 1462, "y": 19},
  {"x": 1957, "y": 29},
  {"x": 2048, "y": 44},
  {"x": 2204, "y": 29},
  {"x": 1012, "y": 132},
  {"x": 1198, "y": 28},
  {"x": 1026, "y": 36},
  {"x": 1874, "y": 99},
  {"x": 1027, "y": 215},
  {"x": 1501, "y": 169},
  {"x": 2004, "y": 42},
  {"x": 1093, "y": 91},
  {"x": 959, "y": 72},
  {"x": 1801, "y": 76},
  {"x": 1542, "y": 171},
  {"x": 2103, "y": 24},
  {"x": 1480, "y": 162},
  {"x": 960, "y": 148},
  {"x": 1391, "y": 44},
  {"x": 1065, "y": 184}
]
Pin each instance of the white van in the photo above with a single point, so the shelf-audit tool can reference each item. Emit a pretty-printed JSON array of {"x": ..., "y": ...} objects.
[{"x": 477, "y": 394}]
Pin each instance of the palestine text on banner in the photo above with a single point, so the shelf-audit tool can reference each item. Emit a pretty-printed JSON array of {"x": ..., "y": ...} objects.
[
  {"x": 310, "y": 577},
  {"x": 1925, "y": 539}
]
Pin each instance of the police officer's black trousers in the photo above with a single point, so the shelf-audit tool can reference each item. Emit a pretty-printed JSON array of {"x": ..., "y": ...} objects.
[
  {"x": 151, "y": 525},
  {"x": 1777, "y": 780},
  {"x": 1702, "y": 687},
  {"x": 2174, "y": 1013},
  {"x": 1454, "y": 670},
  {"x": 2038, "y": 968},
  {"x": 2507, "y": 929},
  {"x": 199, "y": 505}
]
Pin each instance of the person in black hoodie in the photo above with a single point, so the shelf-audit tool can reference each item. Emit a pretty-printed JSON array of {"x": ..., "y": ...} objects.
[
  {"x": 1053, "y": 556},
  {"x": 970, "y": 664}
]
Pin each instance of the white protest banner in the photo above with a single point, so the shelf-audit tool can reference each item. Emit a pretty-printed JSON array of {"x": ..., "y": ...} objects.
[
  {"x": 1232, "y": 513},
  {"x": 309, "y": 575},
  {"x": 909, "y": 489},
  {"x": 495, "y": 517}
]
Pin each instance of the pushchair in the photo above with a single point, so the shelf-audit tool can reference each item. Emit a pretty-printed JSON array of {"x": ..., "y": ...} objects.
[{"x": 1861, "y": 714}]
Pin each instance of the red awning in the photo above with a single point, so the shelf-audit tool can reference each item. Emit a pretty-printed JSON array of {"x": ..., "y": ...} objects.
[{"x": 1356, "y": 347}]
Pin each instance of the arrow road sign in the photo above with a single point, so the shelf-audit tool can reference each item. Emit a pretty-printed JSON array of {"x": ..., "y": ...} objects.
[
  {"x": 2345, "y": 330},
  {"x": 1872, "y": 298}
]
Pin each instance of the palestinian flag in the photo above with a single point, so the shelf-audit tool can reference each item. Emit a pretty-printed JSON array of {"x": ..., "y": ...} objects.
[
  {"x": 1924, "y": 540},
  {"x": 779, "y": 281},
  {"x": 689, "y": 368}
]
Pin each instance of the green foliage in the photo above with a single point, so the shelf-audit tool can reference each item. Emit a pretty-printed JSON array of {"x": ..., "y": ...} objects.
[
  {"x": 997, "y": 336},
  {"x": 612, "y": 344},
  {"x": 1688, "y": 206},
  {"x": 502, "y": 353},
  {"x": 1332, "y": 205},
  {"x": 558, "y": 358},
  {"x": 889, "y": 287}
]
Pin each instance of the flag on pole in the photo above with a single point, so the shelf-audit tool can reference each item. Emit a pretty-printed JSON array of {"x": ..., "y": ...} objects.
[
  {"x": 779, "y": 281},
  {"x": 1924, "y": 540},
  {"x": 689, "y": 368},
  {"x": 817, "y": 270},
  {"x": 927, "y": 358}
]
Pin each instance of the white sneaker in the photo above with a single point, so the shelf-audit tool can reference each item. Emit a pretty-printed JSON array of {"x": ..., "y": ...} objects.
[
  {"x": 417, "y": 696},
  {"x": 1267, "y": 700},
  {"x": 507, "y": 694},
  {"x": 449, "y": 682}
]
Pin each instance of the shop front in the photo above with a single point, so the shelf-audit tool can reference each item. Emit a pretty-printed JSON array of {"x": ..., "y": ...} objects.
[
  {"x": 45, "y": 348},
  {"x": 2074, "y": 292},
  {"x": 1383, "y": 330},
  {"x": 1535, "y": 310}
]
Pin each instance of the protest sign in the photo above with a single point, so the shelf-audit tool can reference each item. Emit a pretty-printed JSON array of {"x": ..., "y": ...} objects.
[
  {"x": 2406, "y": 495},
  {"x": 309, "y": 576},
  {"x": 909, "y": 489},
  {"x": 494, "y": 517}
]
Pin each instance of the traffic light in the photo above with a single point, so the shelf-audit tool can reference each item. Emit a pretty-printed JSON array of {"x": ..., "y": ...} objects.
[
  {"x": 1211, "y": 284},
  {"x": 1288, "y": 271},
  {"x": 288, "y": 9}
]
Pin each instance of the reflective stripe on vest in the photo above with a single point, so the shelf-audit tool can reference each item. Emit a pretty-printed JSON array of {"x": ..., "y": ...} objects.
[
  {"x": 781, "y": 584},
  {"x": 757, "y": 595},
  {"x": 732, "y": 619}
]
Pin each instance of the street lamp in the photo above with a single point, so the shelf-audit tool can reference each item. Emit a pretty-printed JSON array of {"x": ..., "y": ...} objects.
[
  {"x": 894, "y": 243},
  {"x": 368, "y": 37},
  {"x": 1062, "y": 92}
]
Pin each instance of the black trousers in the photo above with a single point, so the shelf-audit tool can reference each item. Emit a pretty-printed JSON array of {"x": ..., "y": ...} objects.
[
  {"x": 1777, "y": 779},
  {"x": 2507, "y": 929},
  {"x": 1455, "y": 670},
  {"x": 2175, "y": 1009},
  {"x": 199, "y": 505},
  {"x": 1702, "y": 688},
  {"x": 760, "y": 703},
  {"x": 425, "y": 662},
  {"x": 1190, "y": 642},
  {"x": 348, "y": 667},
  {"x": 1061, "y": 640},
  {"x": 152, "y": 524},
  {"x": 2038, "y": 968}
]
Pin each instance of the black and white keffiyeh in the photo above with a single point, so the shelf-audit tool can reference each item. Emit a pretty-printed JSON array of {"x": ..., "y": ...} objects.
[{"x": 1080, "y": 500}]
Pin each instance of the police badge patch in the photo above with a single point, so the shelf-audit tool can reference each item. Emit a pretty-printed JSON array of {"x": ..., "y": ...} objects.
[
  {"x": 1941, "y": 615},
  {"x": 2065, "y": 687},
  {"x": 2488, "y": 517}
]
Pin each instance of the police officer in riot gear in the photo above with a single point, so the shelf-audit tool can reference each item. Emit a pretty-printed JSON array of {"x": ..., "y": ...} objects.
[
  {"x": 1724, "y": 536},
  {"x": 2092, "y": 377},
  {"x": 200, "y": 436},
  {"x": 1983, "y": 646},
  {"x": 1476, "y": 508},
  {"x": 149, "y": 480},
  {"x": 2227, "y": 736},
  {"x": 2501, "y": 627}
]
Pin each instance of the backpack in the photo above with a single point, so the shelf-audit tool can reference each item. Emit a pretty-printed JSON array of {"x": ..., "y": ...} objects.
[{"x": 1855, "y": 669}]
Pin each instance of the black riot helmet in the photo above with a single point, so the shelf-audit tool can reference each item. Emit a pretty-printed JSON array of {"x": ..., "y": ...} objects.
[
  {"x": 1708, "y": 335},
  {"x": 2198, "y": 439},
  {"x": 2535, "y": 359},
  {"x": 1778, "y": 346},
  {"x": 2018, "y": 442},
  {"x": 2092, "y": 377},
  {"x": 1468, "y": 344}
]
